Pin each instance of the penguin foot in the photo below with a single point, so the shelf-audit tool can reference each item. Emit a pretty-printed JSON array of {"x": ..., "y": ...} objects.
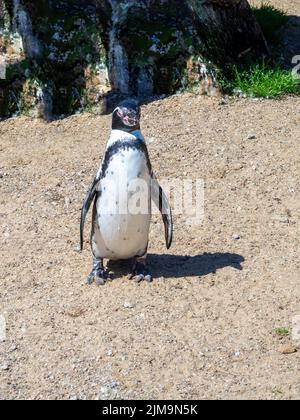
[
  {"x": 140, "y": 273},
  {"x": 101, "y": 276},
  {"x": 98, "y": 273},
  {"x": 100, "y": 280},
  {"x": 90, "y": 278}
]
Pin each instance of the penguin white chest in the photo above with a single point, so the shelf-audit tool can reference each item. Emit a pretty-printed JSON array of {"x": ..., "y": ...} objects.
[{"x": 123, "y": 207}]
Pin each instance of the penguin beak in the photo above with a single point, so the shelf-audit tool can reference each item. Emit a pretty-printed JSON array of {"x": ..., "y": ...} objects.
[{"x": 131, "y": 120}]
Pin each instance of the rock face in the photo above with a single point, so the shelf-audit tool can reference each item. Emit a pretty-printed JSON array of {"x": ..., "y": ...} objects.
[{"x": 60, "y": 57}]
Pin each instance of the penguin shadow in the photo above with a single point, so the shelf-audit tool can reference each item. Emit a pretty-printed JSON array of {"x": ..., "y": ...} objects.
[
  {"x": 119, "y": 268},
  {"x": 168, "y": 265}
]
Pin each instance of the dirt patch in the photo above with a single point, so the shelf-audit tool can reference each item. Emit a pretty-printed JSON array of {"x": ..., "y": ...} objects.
[{"x": 205, "y": 327}]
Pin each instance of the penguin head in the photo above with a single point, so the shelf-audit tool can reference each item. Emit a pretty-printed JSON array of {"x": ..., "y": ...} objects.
[{"x": 126, "y": 116}]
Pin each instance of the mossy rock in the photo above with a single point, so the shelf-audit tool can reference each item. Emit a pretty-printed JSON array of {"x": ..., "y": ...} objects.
[{"x": 167, "y": 46}]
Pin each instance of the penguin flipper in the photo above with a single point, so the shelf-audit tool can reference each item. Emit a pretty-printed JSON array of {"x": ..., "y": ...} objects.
[
  {"x": 86, "y": 206},
  {"x": 162, "y": 203}
]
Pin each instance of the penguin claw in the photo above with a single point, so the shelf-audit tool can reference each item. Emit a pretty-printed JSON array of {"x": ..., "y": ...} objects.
[
  {"x": 138, "y": 278},
  {"x": 100, "y": 277},
  {"x": 100, "y": 281},
  {"x": 148, "y": 278},
  {"x": 140, "y": 274}
]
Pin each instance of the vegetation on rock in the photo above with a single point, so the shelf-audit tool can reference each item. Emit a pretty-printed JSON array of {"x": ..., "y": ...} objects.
[
  {"x": 63, "y": 57},
  {"x": 265, "y": 81},
  {"x": 263, "y": 78},
  {"x": 271, "y": 21}
]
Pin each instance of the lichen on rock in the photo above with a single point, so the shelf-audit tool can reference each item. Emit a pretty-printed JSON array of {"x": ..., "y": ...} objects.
[{"x": 63, "y": 57}]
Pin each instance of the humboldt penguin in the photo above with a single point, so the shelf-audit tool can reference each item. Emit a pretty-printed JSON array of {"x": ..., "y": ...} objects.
[{"x": 122, "y": 191}]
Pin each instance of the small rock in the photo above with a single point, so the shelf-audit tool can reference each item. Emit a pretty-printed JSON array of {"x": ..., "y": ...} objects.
[
  {"x": 280, "y": 218},
  {"x": 287, "y": 349},
  {"x": 104, "y": 390},
  {"x": 223, "y": 101},
  {"x": 236, "y": 237},
  {"x": 237, "y": 166},
  {"x": 251, "y": 136},
  {"x": 68, "y": 201},
  {"x": 128, "y": 305},
  {"x": 13, "y": 348},
  {"x": 113, "y": 384},
  {"x": 4, "y": 366}
]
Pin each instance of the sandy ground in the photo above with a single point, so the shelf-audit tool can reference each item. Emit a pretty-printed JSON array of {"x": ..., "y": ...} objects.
[{"x": 205, "y": 327}]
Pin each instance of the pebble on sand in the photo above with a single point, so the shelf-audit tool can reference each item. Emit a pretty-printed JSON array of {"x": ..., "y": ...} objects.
[
  {"x": 128, "y": 305},
  {"x": 4, "y": 366},
  {"x": 236, "y": 237},
  {"x": 287, "y": 349}
]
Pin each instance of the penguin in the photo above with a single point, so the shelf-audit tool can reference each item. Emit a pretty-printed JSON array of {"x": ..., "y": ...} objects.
[{"x": 121, "y": 193}]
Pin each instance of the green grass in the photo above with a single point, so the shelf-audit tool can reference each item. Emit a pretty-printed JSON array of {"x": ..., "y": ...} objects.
[
  {"x": 281, "y": 331},
  {"x": 263, "y": 81},
  {"x": 271, "y": 21}
]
